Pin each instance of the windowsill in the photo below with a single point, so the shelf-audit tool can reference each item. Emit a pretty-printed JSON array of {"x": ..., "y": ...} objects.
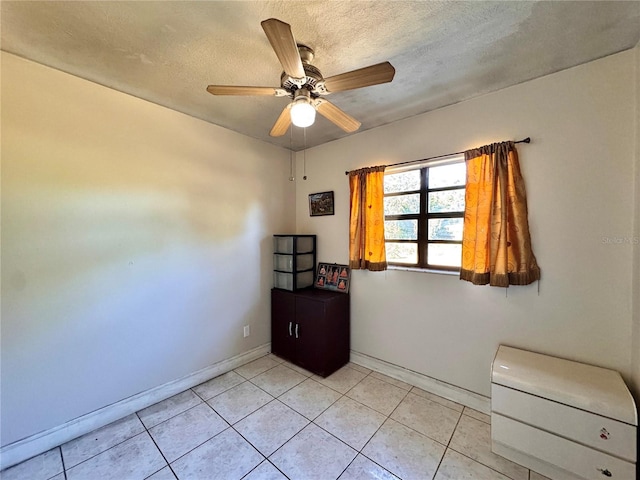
[{"x": 422, "y": 270}]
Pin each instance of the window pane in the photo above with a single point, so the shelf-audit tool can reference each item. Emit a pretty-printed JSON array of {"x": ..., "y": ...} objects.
[
  {"x": 448, "y": 175},
  {"x": 444, "y": 254},
  {"x": 445, "y": 228},
  {"x": 447, "y": 201},
  {"x": 401, "y": 229},
  {"x": 402, "y": 204},
  {"x": 402, "y": 182},
  {"x": 402, "y": 253}
]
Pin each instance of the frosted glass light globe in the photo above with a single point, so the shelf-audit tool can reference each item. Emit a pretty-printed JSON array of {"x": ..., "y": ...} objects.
[{"x": 303, "y": 114}]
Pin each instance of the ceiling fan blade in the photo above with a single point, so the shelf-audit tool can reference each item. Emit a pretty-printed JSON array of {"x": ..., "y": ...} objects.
[
  {"x": 283, "y": 43},
  {"x": 237, "y": 90},
  {"x": 282, "y": 123},
  {"x": 332, "y": 113},
  {"x": 363, "y": 77}
]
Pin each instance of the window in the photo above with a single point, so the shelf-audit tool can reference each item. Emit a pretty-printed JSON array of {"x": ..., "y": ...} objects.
[{"x": 424, "y": 214}]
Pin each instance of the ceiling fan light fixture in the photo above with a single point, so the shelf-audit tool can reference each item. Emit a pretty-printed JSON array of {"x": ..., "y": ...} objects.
[{"x": 302, "y": 113}]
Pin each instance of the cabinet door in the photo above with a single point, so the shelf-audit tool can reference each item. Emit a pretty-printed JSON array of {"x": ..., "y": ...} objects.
[
  {"x": 283, "y": 322},
  {"x": 311, "y": 334}
]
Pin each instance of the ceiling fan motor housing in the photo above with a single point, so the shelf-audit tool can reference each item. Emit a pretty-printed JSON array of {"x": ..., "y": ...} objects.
[{"x": 313, "y": 81}]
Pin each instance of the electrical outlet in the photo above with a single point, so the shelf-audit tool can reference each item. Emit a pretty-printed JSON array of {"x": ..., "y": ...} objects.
[{"x": 247, "y": 331}]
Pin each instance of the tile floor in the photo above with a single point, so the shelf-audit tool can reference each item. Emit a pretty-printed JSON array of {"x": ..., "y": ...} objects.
[{"x": 271, "y": 420}]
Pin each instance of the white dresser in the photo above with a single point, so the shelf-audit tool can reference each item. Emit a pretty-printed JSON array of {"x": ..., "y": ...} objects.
[{"x": 565, "y": 420}]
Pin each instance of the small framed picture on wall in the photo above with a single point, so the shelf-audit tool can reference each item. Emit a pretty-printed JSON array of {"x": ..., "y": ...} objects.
[
  {"x": 331, "y": 276},
  {"x": 321, "y": 204}
]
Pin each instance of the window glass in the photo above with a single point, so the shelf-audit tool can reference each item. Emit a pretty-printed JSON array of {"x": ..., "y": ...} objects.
[
  {"x": 402, "y": 182},
  {"x": 405, "y": 253},
  {"x": 401, "y": 229},
  {"x": 445, "y": 254},
  {"x": 402, "y": 204},
  {"x": 446, "y": 201},
  {"x": 445, "y": 228},
  {"x": 448, "y": 175}
]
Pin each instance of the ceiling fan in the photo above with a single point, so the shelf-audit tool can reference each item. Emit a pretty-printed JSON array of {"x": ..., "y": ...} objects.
[{"x": 305, "y": 85}]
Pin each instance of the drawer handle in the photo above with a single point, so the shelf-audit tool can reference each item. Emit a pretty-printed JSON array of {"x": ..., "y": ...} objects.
[
  {"x": 604, "y": 434},
  {"x": 290, "y": 329},
  {"x": 605, "y": 472}
]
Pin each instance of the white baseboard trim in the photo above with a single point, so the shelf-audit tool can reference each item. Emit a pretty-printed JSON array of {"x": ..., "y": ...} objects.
[
  {"x": 26, "y": 448},
  {"x": 437, "y": 387}
]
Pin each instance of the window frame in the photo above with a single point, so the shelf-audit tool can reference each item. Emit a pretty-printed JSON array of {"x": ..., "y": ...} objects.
[{"x": 424, "y": 215}]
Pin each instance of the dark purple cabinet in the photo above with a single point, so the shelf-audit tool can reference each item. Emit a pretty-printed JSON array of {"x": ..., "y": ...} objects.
[{"x": 310, "y": 328}]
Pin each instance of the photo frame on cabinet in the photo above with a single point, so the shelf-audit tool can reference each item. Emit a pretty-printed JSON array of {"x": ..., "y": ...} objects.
[
  {"x": 321, "y": 204},
  {"x": 332, "y": 276}
]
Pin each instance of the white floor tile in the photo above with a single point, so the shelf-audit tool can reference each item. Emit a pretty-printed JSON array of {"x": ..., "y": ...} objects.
[
  {"x": 455, "y": 466},
  {"x": 472, "y": 438},
  {"x": 343, "y": 380},
  {"x": 164, "y": 474},
  {"x": 226, "y": 456},
  {"x": 298, "y": 369},
  {"x": 275, "y": 358},
  {"x": 438, "y": 399},
  {"x": 536, "y": 476},
  {"x": 429, "y": 418},
  {"x": 184, "y": 432},
  {"x": 360, "y": 368},
  {"x": 134, "y": 459},
  {"x": 364, "y": 469},
  {"x": 278, "y": 380},
  {"x": 313, "y": 454},
  {"x": 392, "y": 381},
  {"x": 355, "y": 424},
  {"x": 477, "y": 415},
  {"x": 168, "y": 408},
  {"x": 93, "y": 443},
  {"x": 265, "y": 471},
  {"x": 310, "y": 398},
  {"x": 217, "y": 385},
  {"x": 351, "y": 422},
  {"x": 41, "y": 467},
  {"x": 255, "y": 368},
  {"x": 240, "y": 401},
  {"x": 268, "y": 428},
  {"x": 377, "y": 394},
  {"x": 404, "y": 452}
]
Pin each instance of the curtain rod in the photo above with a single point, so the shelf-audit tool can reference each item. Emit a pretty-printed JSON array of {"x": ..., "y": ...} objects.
[{"x": 524, "y": 140}]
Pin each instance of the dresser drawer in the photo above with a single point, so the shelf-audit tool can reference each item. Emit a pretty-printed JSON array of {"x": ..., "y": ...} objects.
[
  {"x": 605, "y": 434},
  {"x": 560, "y": 452}
]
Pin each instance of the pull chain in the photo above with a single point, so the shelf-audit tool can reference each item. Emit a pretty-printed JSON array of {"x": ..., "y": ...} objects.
[
  {"x": 304, "y": 155},
  {"x": 291, "y": 177}
]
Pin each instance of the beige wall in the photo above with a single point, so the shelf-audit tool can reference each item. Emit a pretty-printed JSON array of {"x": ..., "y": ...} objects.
[
  {"x": 136, "y": 244},
  {"x": 579, "y": 172},
  {"x": 635, "y": 349}
]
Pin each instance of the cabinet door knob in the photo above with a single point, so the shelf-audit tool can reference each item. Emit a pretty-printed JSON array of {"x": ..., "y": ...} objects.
[
  {"x": 290, "y": 333},
  {"x": 604, "y": 434},
  {"x": 605, "y": 472},
  {"x": 297, "y": 325}
]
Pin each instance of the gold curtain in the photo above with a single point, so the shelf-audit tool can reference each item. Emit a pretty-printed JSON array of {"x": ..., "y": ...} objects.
[
  {"x": 366, "y": 221},
  {"x": 496, "y": 244}
]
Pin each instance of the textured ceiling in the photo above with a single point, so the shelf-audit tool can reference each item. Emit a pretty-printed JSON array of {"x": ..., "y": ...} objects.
[{"x": 444, "y": 52}]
